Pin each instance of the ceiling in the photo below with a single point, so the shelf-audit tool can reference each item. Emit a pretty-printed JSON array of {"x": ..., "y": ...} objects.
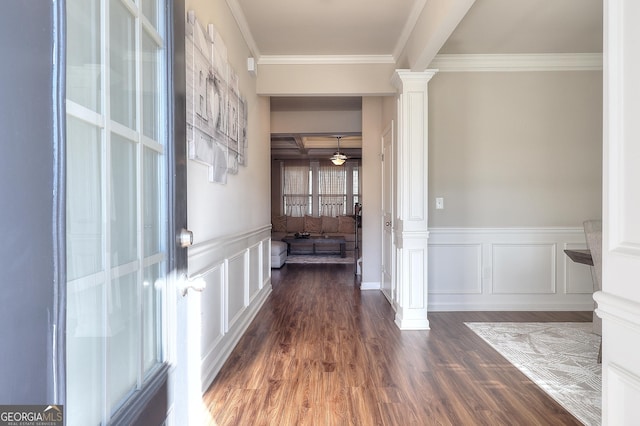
[
  {"x": 328, "y": 27},
  {"x": 382, "y": 27}
]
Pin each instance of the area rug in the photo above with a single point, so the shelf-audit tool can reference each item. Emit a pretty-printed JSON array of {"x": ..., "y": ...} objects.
[
  {"x": 302, "y": 259},
  {"x": 561, "y": 358}
]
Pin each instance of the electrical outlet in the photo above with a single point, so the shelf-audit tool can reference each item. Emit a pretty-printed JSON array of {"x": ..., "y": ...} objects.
[{"x": 439, "y": 203}]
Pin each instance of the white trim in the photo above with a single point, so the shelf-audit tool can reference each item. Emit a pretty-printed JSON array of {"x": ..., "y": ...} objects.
[
  {"x": 217, "y": 353},
  {"x": 461, "y": 282},
  {"x": 207, "y": 253},
  {"x": 370, "y": 285},
  {"x": 83, "y": 113},
  {"x": 325, "y": 59},
  {"x": 214, "y": 259},
  {"x": 622, "y": 311},
  {"x": 434, "y": 232},
  {"x": 517, "y": 62}
]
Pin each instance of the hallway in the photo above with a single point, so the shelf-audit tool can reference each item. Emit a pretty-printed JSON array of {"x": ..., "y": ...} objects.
[{"x": 322, "y": 352}]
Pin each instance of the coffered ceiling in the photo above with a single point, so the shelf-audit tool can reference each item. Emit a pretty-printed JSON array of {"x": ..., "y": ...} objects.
[{"x": 296, "y": 146}]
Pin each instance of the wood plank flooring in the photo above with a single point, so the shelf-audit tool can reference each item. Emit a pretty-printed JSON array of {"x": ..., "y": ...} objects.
[{"x": 321, "y": 352}]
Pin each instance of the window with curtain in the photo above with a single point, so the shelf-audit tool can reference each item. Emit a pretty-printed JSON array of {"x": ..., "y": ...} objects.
[
  {"x": 296, "y": 190},
  {"x": 332, "y": 189},
  {"x": 319, "y": 188}
]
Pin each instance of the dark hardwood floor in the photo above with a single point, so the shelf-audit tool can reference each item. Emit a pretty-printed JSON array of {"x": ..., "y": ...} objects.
[{"x": 321, "y": 352}]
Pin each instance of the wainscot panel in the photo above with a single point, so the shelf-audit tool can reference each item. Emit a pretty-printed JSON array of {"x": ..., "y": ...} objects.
[
  {"x": 266, "y": 263},
  {"x": 507, "y": 269},
  {"x": 621, "y": 344},
  {"x": 255, "y": 270},
  {"x": 455, "y": 268},
  {"x": 237, "y": 274},
  {"x": 237, "y": 289},
  {"x": 524, "y": 268},
  {"x": 212, "y": 302}
]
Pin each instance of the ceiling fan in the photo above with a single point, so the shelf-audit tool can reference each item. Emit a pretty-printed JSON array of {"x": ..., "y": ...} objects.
[{"x": 338, "y": 158}]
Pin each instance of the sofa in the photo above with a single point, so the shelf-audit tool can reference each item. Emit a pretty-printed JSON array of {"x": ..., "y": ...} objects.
[
  {"x": 278, "y": 253},
  {"x": 345, "y": 226}
]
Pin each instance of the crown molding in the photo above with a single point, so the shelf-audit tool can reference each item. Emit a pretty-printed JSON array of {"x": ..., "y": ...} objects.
[
  {"x": 243, "y": 25},
  {"x": 518, "y": 62},
  {"x": 325, "y": 59}
]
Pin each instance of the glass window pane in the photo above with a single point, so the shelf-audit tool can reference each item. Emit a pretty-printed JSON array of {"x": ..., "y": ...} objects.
[
  {"x": 85, "y": 353},
  {"x": 152, "y": 291},
  {"x": 122, "y": 72},
  {"x": 151, "y": 203},
  {"x": 150, "y": 93},
  {"x": 150, "y": 11},
  {"x": 84, "y": 203},
  {"x": 123, "y": 338},
  {"x": 356, "y": 181},
  {"x": 123, "y": 208},
  {"x": 83, "y": 53}
]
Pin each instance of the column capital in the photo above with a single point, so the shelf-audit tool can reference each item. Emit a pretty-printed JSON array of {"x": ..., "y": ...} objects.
[{"x": 404, "y": 79}]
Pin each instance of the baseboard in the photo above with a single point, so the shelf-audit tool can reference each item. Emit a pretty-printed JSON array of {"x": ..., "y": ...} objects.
[
  {"x": 539, "y": 307},
  {"x": 370, "y": 285}
]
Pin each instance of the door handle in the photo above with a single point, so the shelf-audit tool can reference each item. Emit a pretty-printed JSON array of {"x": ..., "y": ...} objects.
[
  {"x": 196, "y": 284},
  {"x": 185, "y": 238},
  {"x": 387, "y": 223}
]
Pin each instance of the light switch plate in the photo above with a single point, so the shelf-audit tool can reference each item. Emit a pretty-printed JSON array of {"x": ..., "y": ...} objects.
[{"x": 439, "y": 203}]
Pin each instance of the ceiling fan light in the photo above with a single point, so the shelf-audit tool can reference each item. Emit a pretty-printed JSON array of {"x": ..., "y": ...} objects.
[{"x": 337, "y": 158}]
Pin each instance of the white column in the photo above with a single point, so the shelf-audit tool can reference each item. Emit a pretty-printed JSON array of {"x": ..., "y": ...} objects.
[{"x": 411, "y": 204}]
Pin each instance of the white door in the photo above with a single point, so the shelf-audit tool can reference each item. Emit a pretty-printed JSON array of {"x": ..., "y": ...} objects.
[
  {"x": 121, "y": 246},
  {"x": 619, "y": 301},
  {"x": 388, "y": 251}
]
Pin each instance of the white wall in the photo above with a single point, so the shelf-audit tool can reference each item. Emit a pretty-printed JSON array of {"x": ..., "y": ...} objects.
[
  {"x": 231, "y": 222},
  {"x": 337, "y": 121},
  {"x": 372, "y": 127},
  {"x": 325, "y": 79},
  {"x": 517, "y": 157},
  {"x": 243, "y": 203},
  {"x": 515, "y": 148}
]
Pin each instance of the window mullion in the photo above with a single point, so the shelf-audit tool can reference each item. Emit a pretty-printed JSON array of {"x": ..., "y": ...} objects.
[
  {"x": 315, "y": 188},
  {"x": 106, "y": 213},
  {"x": 349, "y": 184},
  {"x": 139, "y": 191}
]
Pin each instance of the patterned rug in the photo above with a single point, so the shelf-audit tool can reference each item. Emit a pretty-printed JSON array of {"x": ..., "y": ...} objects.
[
  {"x": 309, "y": 258},
  {"x": 561, "y": 358}
]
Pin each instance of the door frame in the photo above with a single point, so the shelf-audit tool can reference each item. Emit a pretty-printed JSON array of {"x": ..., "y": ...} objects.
[{"x": 386, "y": 223}]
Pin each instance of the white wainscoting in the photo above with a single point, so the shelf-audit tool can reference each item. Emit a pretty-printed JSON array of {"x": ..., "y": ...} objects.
[
  {"x": 507, "y": 269},
  {"x": 237, "y": 274}
]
